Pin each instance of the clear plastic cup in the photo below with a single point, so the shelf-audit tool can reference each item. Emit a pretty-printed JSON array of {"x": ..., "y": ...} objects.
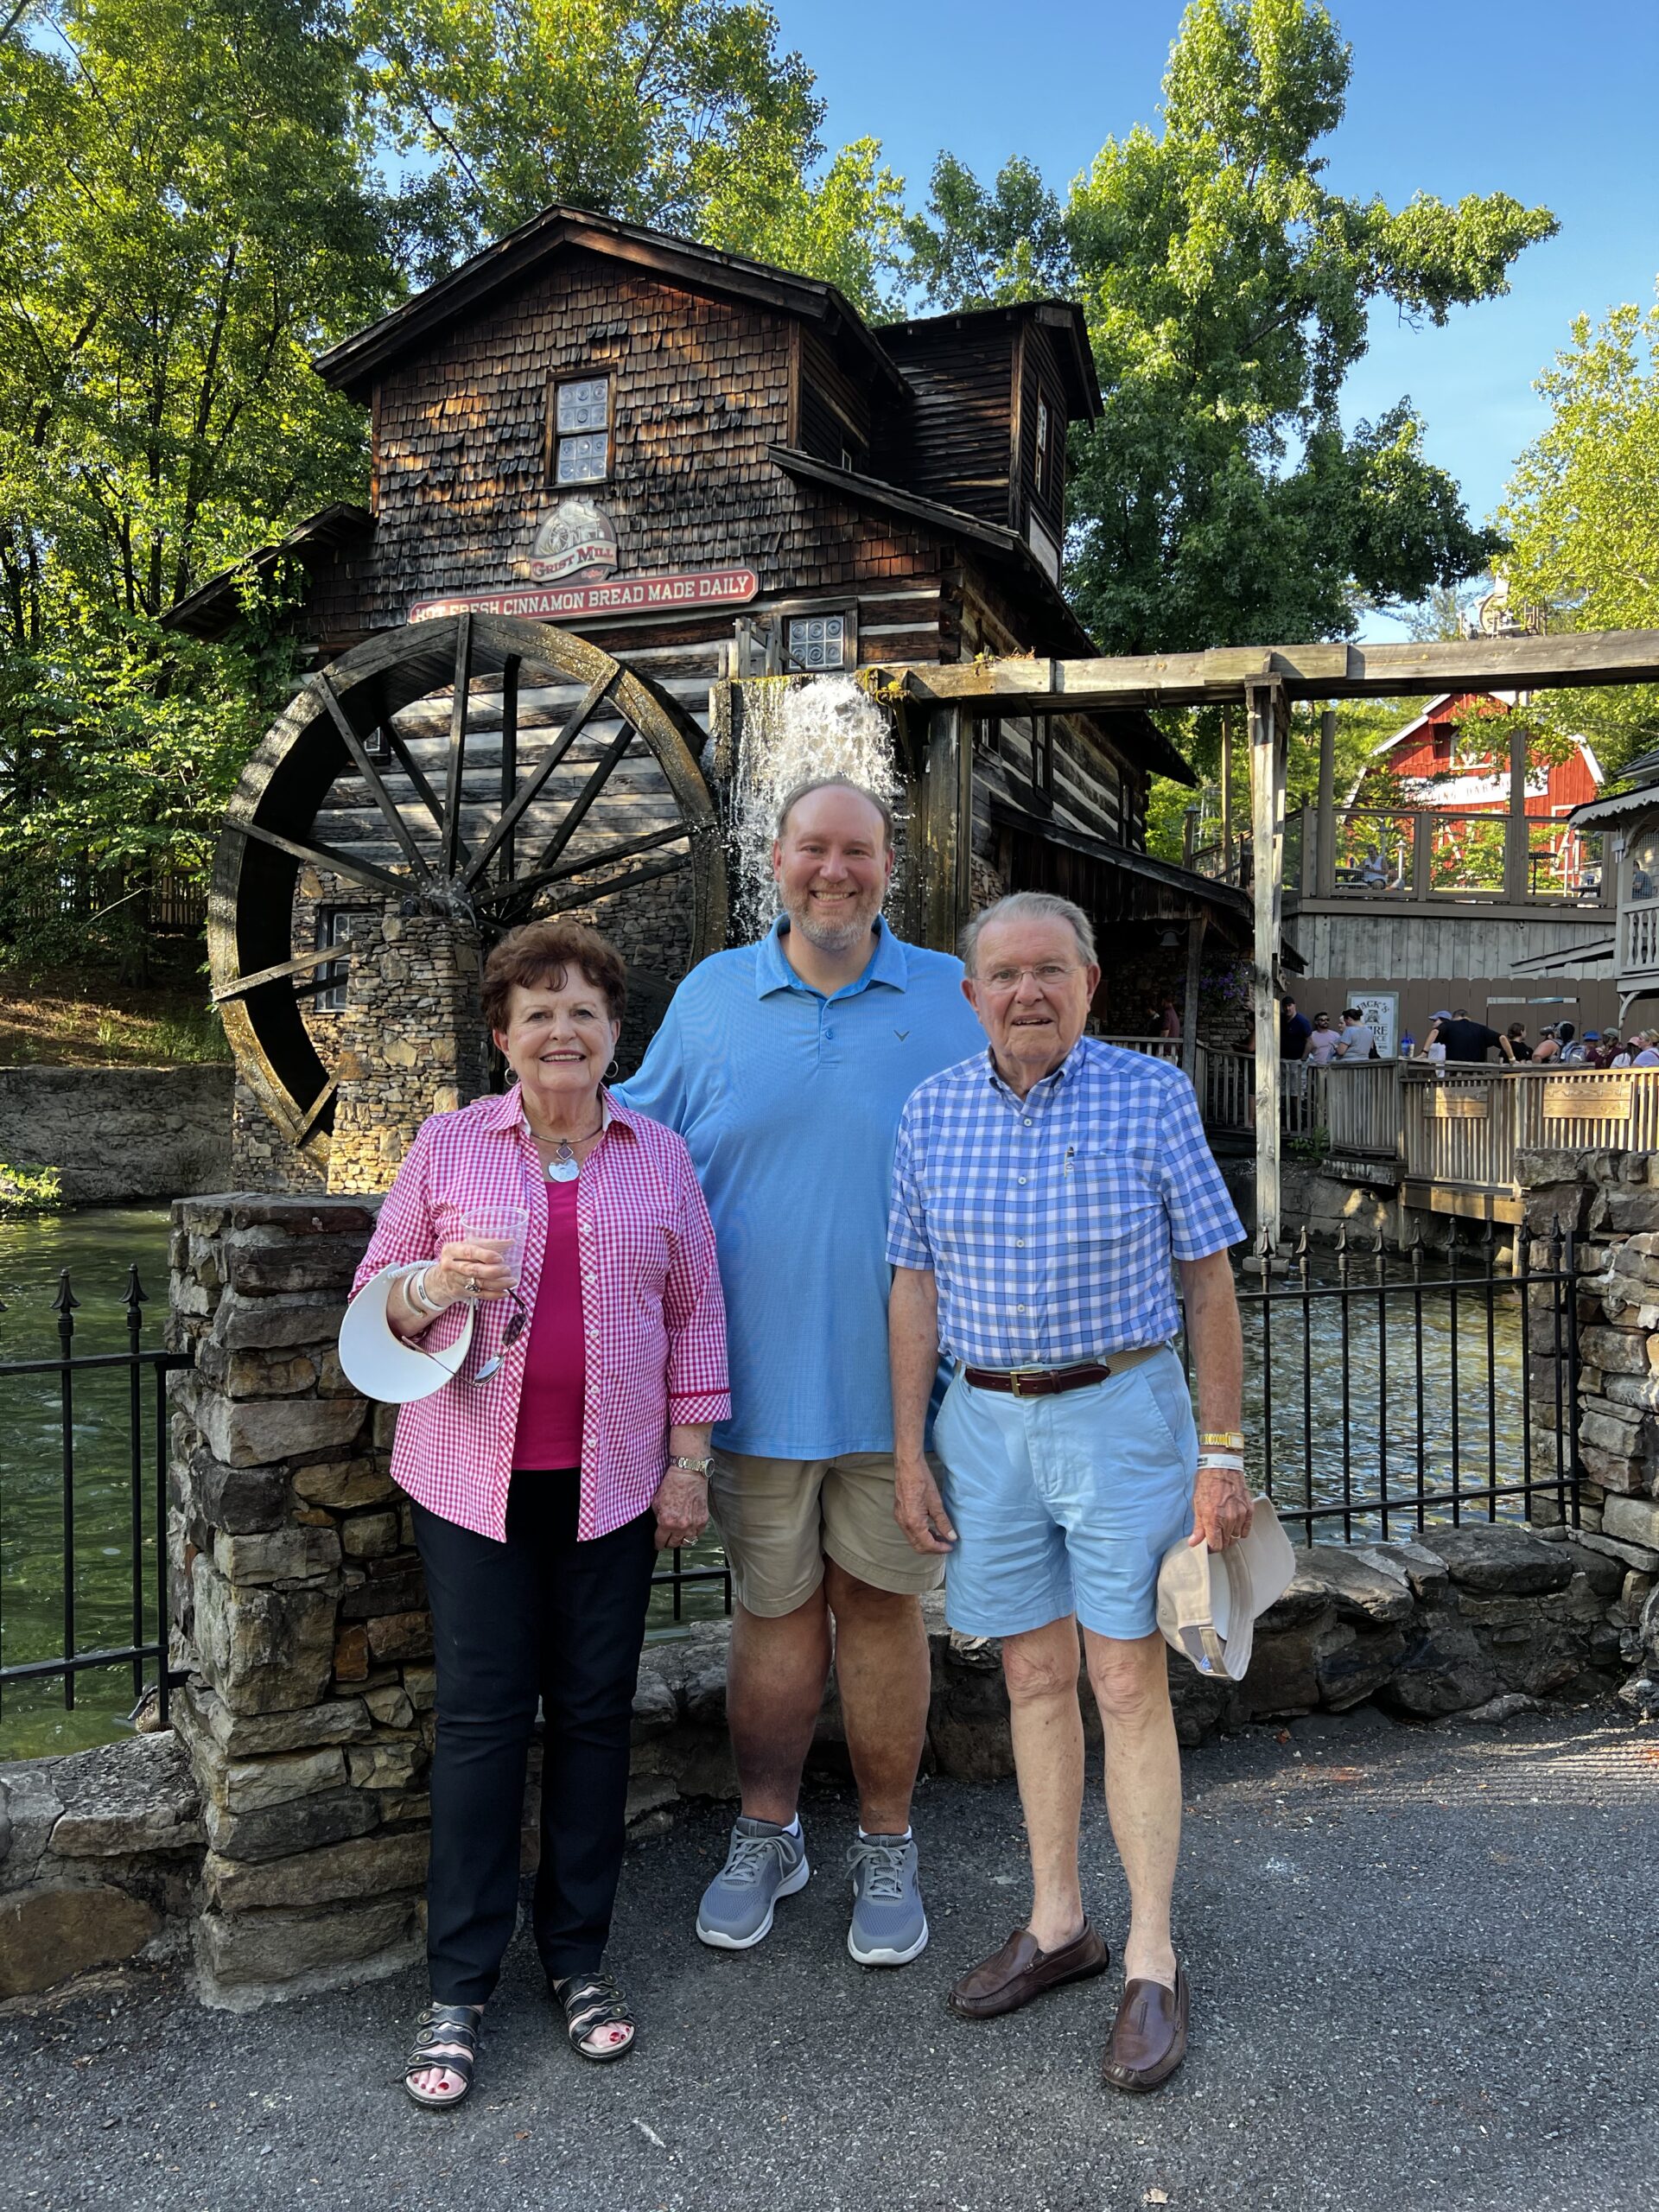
[{"x": 505, "y": 1227}]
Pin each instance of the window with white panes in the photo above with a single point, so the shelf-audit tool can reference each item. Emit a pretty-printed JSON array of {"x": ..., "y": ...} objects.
[
  {"x": 334, "y": 928},
  {"x": 815, "y": 641},
  {"x": 1040, "y": 475},
  {"x": 580, "y": 431}
]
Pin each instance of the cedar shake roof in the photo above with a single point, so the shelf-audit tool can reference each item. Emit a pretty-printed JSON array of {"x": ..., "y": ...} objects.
[
  {"x": 209, "y": 610},
  {"x": 353, "y": 364},
  {"x": 1062, "y": 319}
]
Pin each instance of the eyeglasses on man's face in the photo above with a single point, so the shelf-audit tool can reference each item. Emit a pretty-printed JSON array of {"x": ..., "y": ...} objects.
[{"x": 1047, "y": 974}]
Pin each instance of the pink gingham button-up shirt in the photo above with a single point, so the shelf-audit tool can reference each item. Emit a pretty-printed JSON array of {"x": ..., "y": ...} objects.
[{"x": 653, "y": 1319}]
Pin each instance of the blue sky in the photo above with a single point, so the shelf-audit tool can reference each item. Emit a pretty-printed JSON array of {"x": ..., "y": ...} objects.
[{"x": 1556, "y": 104}]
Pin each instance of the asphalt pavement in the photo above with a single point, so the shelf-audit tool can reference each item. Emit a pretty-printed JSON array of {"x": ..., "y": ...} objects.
[{"x": 1423, "y": 1964}]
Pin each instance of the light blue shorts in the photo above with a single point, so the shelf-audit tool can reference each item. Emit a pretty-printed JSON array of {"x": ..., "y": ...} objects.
[{"x": 1066, "y": 1504}]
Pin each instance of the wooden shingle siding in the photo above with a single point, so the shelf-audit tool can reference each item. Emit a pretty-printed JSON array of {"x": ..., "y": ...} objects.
[
  {"x": 835, "y": 411},
  {"x": 957, "y": 441}
]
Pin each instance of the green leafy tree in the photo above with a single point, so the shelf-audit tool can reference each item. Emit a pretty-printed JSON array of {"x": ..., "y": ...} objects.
[
  {"x": 188, "y": 213},
  {"x": 680, "y": 113},
  {"x": 1221, "y": 499},
  {"x": 1581, "y": 514}
]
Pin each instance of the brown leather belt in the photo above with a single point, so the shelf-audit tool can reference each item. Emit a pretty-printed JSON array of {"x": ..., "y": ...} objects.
[{"x": 1048, "y": 1381}]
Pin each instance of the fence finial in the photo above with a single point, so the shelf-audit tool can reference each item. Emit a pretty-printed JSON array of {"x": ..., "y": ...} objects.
[
  {"x": 65, "y": 1302},
  {"x": 135, "y": 1295}
]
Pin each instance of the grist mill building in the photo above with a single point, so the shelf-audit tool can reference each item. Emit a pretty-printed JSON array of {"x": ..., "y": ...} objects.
[{"x": 623, "y": 488}]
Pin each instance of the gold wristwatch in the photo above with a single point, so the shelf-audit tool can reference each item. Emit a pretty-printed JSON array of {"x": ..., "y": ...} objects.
[{"x": 692, "y": 1466}]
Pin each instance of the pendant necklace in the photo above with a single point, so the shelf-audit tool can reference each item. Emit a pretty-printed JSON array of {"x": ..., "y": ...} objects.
[{"x": 564, "y": 1166}]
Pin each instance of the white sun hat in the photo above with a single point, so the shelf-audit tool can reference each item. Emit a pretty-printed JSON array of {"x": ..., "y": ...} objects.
[
  {"x": 1208, "y": 1602},
  {"x": 376, "y": 1360}
]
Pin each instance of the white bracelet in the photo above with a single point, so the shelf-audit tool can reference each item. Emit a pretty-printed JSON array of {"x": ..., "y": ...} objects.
[
  {"x": 415, "y": 1290},
  {"x": 1231, "y": 1462}
]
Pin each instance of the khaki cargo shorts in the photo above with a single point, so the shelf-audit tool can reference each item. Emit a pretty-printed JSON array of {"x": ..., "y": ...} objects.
[{"x": 779, "y": 1520}]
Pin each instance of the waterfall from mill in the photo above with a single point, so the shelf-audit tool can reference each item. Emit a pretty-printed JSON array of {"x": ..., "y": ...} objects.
[{"x": 796, "y": 727}]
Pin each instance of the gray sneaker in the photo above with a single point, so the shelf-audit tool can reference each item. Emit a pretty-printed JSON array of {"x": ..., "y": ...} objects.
[
  {"x": 889, "y": 1926},
  {"x": 763, "y": 1864}
]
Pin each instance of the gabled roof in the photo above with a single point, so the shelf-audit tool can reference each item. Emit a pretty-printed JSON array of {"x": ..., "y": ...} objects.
[
  {"x": 208, "y": 611},
  {"x": 353, "y": 365},
  {"x": 1062, "y": 319}
]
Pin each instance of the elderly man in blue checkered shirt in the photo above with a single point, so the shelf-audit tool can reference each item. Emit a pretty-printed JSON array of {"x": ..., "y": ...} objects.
[{"x": 1044, "y": 1196}]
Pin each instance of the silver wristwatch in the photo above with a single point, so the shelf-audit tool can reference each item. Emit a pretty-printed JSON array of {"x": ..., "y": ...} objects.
[{"x": 692, "y": 1466}]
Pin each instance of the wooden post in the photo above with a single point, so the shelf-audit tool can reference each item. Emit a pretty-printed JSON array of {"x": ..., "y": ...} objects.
[
  {"x": 1516, "y": 849},
  {"x": 1196, "y": 923},
  {"x": 1226, "y": 794},
  {"x": 942, "y": 812},
  {"x": 1264, "y": 700},
  {"x": 1324, "y": 880}
]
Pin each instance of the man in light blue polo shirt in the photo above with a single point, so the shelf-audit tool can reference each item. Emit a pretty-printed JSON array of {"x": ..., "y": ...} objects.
[{"x": 784, "y": 1066}]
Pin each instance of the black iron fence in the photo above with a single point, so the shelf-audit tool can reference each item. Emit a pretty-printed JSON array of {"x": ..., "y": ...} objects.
[
  {"x": 62, "y": 1564},
  {"x": 1383, "y": 1389},
  {"x": 1386, "y": 1389}
]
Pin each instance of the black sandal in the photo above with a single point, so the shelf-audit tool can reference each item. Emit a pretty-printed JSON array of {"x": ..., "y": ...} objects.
[
  {"x": 446, "y": 2041},
  {"x": 589, "y": 2002}
]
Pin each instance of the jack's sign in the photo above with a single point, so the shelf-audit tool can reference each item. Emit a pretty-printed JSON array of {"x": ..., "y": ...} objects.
[{"x": 690, "y": 591}]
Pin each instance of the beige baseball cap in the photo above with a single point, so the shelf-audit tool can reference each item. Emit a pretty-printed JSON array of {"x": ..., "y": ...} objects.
[{"x": 1208, "y": 1601}]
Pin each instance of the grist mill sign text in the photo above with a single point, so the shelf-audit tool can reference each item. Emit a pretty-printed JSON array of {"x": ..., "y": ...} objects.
[{"x": 620, "y": 595}]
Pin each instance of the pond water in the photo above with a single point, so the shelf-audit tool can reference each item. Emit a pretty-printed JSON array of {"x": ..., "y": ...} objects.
[
  {"x": 97, "y": 1246},
  {"x": 1390, "y": 1393}
]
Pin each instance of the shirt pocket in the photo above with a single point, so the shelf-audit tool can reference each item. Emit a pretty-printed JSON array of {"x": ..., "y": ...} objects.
[{"x": 1107, "y": 1200}]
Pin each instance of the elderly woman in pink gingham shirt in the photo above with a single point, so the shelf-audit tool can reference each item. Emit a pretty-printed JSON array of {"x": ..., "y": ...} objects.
[{"x": 543, "y": 1484}]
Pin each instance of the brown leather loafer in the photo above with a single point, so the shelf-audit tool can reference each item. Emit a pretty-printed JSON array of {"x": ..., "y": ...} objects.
[
  {"x": 1149, "y": 2037},
  {"x": 1022, "y": 1970}
]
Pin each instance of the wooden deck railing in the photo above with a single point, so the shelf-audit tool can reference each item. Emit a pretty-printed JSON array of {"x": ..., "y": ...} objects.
[{"x": 1461, "y": 1127}]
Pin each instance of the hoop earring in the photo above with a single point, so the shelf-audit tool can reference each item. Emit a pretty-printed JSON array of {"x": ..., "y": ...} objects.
[{"x": 615, "y": 1063}]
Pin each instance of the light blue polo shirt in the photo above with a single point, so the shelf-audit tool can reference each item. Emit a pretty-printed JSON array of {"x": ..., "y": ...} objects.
[{"x": 789, "y": 1104}]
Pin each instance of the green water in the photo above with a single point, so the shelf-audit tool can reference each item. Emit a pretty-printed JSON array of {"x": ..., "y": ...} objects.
[{"x": 97, "y": 1246}]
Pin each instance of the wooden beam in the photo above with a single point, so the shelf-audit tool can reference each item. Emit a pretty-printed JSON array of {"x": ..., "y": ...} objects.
[
  {"x": 550, "y": 760},
  {"x": 942, "y": 811},
  {"x": 509, "y": 755},
  {"x": 390, "y": 812},
  {"x": 1308, "y": 671},
  {"x": 1196, "y": 925},
  {"x": 505, "y": 893},
  {"x": 1265, "y": 702},
  {"x": 1517, "y": 838},
  {"x": 463, "y": 683},
  {"x": 346, "y": 864},
  {"x": 1325, "y": 855},
  {"x": 240, "y": 986}
]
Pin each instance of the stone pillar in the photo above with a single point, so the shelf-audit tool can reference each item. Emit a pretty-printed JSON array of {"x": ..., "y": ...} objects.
[
  {"x": 412, "y": 1041},
  {"x": 299, "y": 1610},
  {"x": 1610, "y": 1201}
]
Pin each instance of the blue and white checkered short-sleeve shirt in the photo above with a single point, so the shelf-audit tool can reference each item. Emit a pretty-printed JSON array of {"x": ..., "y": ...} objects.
[{"x": 1053, "y": 1223}]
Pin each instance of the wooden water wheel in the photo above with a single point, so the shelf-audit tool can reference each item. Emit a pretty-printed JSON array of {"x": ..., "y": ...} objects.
[{"x": 471, "y": 767}]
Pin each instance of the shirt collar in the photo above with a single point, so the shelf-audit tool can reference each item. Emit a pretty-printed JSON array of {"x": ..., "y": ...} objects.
[
  {"x": 505, "y": 1111},
  {"x": 773, "y": 972},
  {"x": 1043, "y": 1091}
]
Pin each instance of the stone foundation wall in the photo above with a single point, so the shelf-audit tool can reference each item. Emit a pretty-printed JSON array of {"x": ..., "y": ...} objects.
[
  {"x": 116, "y": 1134},
  {"x": 1610, "y": 1201},
  {"x": 281, "y": 1828},
  {"x": 411, "y": 1041},
  {"x": 100, "y": 1858}
]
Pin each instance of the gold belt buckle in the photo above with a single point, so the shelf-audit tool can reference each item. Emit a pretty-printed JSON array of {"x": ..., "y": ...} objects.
[{"x": 1014, "y": 1373}]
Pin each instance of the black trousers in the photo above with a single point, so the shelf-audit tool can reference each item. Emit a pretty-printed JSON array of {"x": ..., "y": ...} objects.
[{"x": 540, "y": 1616}]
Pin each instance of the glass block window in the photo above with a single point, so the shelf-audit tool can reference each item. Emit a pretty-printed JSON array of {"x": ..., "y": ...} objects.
[
  {"x": 818, "y": 641},
  {"x": 333, "y": 927},
  {"x": 582, "y": 431}
]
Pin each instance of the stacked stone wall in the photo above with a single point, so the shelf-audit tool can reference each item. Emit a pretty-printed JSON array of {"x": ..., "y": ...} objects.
[
  {"x": 411, "y": 1041},
  {"x": 1610, "y": 1201},
  {"x": 298, "y": 1607},
  {"x": 282, "y": 1830}
]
